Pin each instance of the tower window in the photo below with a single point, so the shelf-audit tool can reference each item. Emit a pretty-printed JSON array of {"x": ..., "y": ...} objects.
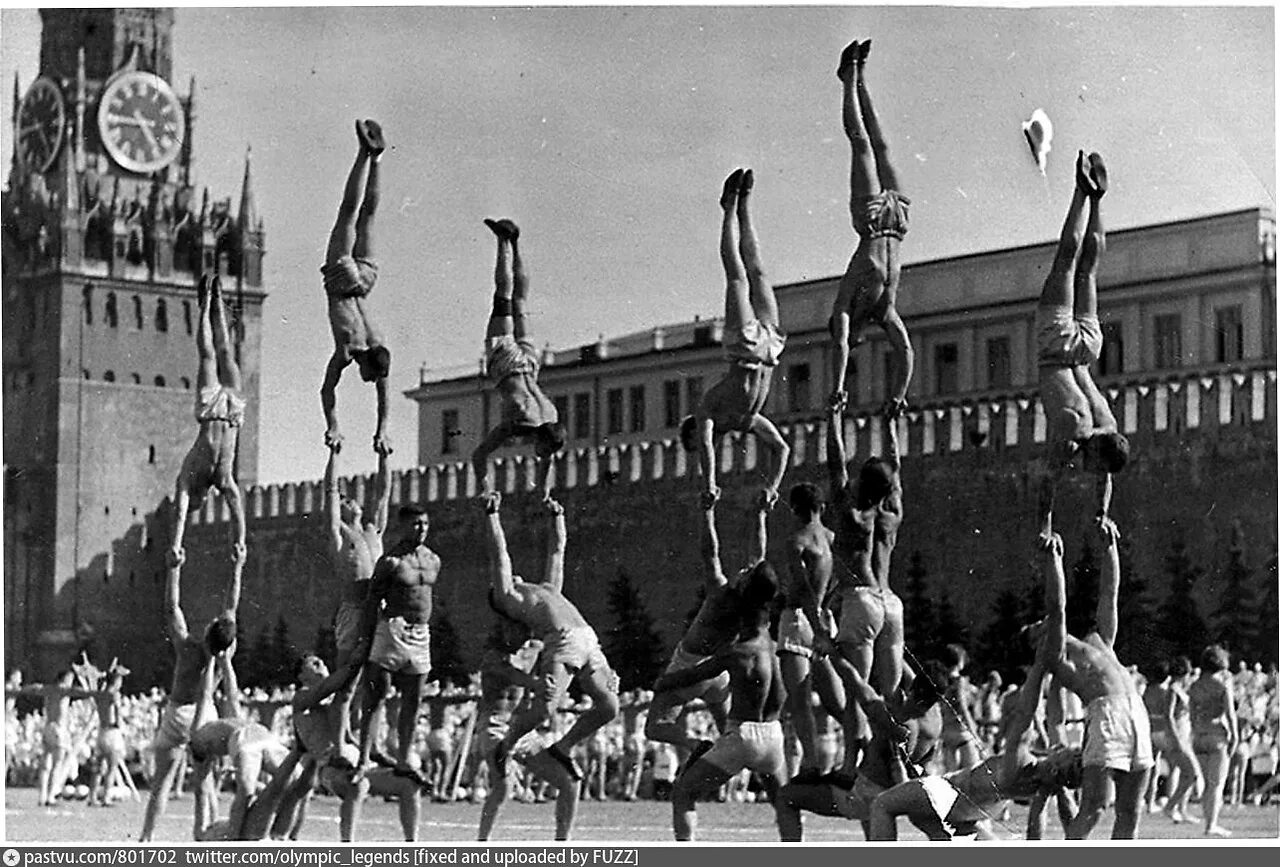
[
  {"x": 88, "y": 305},
  {"x": 86, "y": 374},
  {"x": 186, "y": 383},
  {"x": 136, "y": 379},
  {"x": 160, "y": 382},
  {"x": 162, "y": 316},
  {"x": 186, "y": 315},
  {"x": 151, "y": 454},
  {"x": 111, "y": 313},
  {"x": 109, "y": 376},
  {"x": 137, "y": 312}
]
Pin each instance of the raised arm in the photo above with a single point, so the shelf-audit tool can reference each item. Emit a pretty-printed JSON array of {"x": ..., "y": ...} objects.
[
  {"x": 707, "y": 455},
  {"x": 381, "y": 444},
  {"x": 1055, "y": 598},
  {"x": 1104, "y": 495},
  {"x": 1022, "y": 714},
  {"x": 892, "y": 451},
  {"x": 1109, "y": 582},
  {"x": 174, "y": 619},
  {"x": 501, "y": 575},
  {"x": 758, "y": 544},
  {"x": 837, "y": 473},
  {"x": 712, "y": 571},
  {"x": 806, "y": 593},
  {"x": 204, "y": 698},
  {"x": 555, "y": 553},
  {"x": 1061, "y": 454},
  {"x": 332, "y": 500},
  {"x": 767, "y": 432},
  {"x": 382, "y": 495},
  {"x": 231, "y": 708},
  {"x": 904, "y": 356}
]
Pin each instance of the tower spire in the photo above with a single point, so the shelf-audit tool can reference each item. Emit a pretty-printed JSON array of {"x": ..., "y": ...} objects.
[
  {"x": 188, "y": 139},
  {"x": 248, "y": 213},
  {"x": 81, "y": 102}
]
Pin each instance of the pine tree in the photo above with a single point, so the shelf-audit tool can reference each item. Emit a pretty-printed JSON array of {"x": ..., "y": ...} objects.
[
  {"x": 447, "y": 662},
  {"x": 1082, "y": 594},
  {"x": 633, "y": 645},
  {"x": 1235, "y": 623},
  {"x": 1136, "y": 640},
  {"x": 1181, "y": 628},
  {"x": 284, "y": 658},
  {"x": 919, "y": 619},
  {"x": 949, "y": 628},
  {"x": 998, "y": 646}
]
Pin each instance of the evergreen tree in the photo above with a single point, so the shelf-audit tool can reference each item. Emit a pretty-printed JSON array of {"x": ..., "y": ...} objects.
[
  {"x": 633, "y": 645},
  {"x": 1268, "y": 613},
  {"x": 919, "y": 619},
  {"x": 285, "y": 656},
  {"x": 262, "y": 662},
  {"x": 949, "y": 628},
  {"x": 1137, "y": 642},
  {"x": 1082, "y": 594},
  {"x": 447, "y": 662},
  {"x": 999, "y": 648},
  {"x": 1181, "y": 628},
  {"x": 1235, "y": 623}
]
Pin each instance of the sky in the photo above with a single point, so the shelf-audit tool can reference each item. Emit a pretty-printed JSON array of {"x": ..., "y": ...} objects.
[{"x": 606, "y": 133}]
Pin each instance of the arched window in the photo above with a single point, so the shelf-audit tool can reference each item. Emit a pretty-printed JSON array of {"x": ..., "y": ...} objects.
[
  {"x": 85, "y": 371},
  {"x": 151, "y": 454},
  {"x": 109, "y": 376},
  {"x": 136, "y": 379},
  {"x": 88, "y": 304},
  {"x": 159, "y": 382},
  {"x": 137, "y": 312},
  {"x": 186, "y": 383},
  {"x": 186, "y": 316},
  {"x": 162, "y": 316},
  {"x": 112, "y": 315}
]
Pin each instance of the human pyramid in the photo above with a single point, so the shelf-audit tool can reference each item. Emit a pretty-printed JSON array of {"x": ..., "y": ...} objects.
[{"x": 841, "y": 633}]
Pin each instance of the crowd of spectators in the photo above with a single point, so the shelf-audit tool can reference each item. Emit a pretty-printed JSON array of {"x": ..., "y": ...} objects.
[{"x": 620, "y": 763}]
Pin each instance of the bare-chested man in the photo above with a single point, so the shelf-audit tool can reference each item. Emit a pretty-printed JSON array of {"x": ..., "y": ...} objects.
[
  {"x": 906, "y": 726},
  {"x": 571, "y": 653},
  {"x": 397, "y": 617},
  {"x": 753, "y": 736},
  {"x": 714, "y": 627},
  {"x": 110, "y": 749},
  {"x": 1069, "y": 339},
  {"x": 868, "y": 515},
  {"x": 211, "y": 460},
  {"x": 1117, "y": 739},
  {"x": 962, "y": 803},
  {"x": 809, "y": 563},
  {"x": 56, "y": 736},
  {"x": 191, "y": 655},
  {"x": 507, "y": 682},
  {"x": 355, "y": 546},
  {"x": 349, "y": 274},
  {"x": 511, "y": 367},
  {"x": 753, "y": 343}
]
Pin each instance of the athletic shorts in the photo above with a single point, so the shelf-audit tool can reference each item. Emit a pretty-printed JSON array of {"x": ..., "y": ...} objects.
[
  {"x": 256, "y": 737},
  {"x": 712, "y": 691},
  {"x": 754, "y": 344},
  {"x": 567, "y": 655},
  {"x": 753, "y": 745},
  {"x": 346, "y": 626},
  {"x": 401, "y": 647},
  {"x": 880, "y": 215},
  {"x": 174, "y": 731},
  {"x": 1064, "y": 339},
  {"x": 349, "y": 277},
  {"x": 942, "y": 797},
  {"x": 55, "y": 737},
  {"x": 220, "y": 403},
  {"x": 1117, "y": 734},
  {"x": 505, "y": 356},
  {"x": 1209, "y": 742},
  {"x": 111, "y": 743},
  {"x": 795, "y": 634},
  {"x": 866, "y": 612}
]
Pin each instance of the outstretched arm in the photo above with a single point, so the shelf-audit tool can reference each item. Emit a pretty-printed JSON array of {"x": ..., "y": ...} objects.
[
  {"x": 700, "y": 673},
  {"x": 332, "y": 506},
  {"x": 837, "y": 473},
  {"x": 174, "y": 618},
  {"x": 204, "y": 699},
  {"x": 1055, "y": 599},
  {"x": 712, "y": 571},
  {"x": 1104, "y": 495},
  {"x": 382, "y": 495},
  {"x": 1109, "y": 582},
  {"x": 501, "y": 575},
  {"x": 230, "y": 686},
  {"x": 381, "y": 444},
  {"x": 707, "y": 454},
  {"x": 904, "y": 356},
  {"x": 767, "y": 432},
  {"x": 758, "y": 544},
  {"x": 555, "y": 555},
  {"x": 328, "y": 400},
  {"x": 840, "y": 338},
  {"x": 1060, "y": 456}
]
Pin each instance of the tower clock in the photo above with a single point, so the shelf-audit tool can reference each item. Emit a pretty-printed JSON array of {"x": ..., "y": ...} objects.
[{"x": 141, "y": 121}]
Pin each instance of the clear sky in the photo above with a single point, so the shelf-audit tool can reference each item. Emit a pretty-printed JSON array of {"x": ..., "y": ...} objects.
[{"x": 606, "y": 133}]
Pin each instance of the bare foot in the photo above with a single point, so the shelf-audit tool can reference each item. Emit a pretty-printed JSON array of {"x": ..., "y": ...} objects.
[
  {"x": 730, "y": 191},
  {"x": 848, "y": 60}
]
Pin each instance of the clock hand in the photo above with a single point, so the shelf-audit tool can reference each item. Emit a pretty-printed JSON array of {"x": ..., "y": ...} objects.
[
  {"x": 120, "y": 118},
  {"x": 145, "y": 125}
]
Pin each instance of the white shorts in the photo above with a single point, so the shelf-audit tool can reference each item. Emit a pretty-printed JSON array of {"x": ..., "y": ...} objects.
[
  {"x": 401, "y": 647},
  {"x": 753, "y": 745},
  {"x": 1064, "y": 339},
  {"x": 942, "y": 797},
  {"x": 1117, "y": 734}
]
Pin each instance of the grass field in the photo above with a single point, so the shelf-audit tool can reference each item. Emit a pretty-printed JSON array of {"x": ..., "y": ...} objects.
[{"x": 613, "y": 821}]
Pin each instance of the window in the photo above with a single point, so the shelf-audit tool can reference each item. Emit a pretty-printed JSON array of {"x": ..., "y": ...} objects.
[
  {"x": 109, "y": 376},
  {"x": 671, "y": 403},
  {"x": 135, "y": 378},
  {"x": 186, "y": 316},
  {"x": 946, "y": 366},
  {"x": 637, "y": 409},
  {"x": 1111, "y": 362},
  {"x": 999, "y": 366},
  {"x": 561, "y": 403},
  {"x": 1229, "y": 334},
  {"x": 613, "y": 408},
  {"x": 582, "y": 415},
  {"x": 151, "y": 454},
  {"x": 692, "y": 393},
  {"x": 159, "y": 382},
  {"x": 1168, "y": 329},
  {"x": 798, "y": 387},
  {"x": 162, "y": 316},
  {"x": 110, "y": 313},
  {"x": 186, "y": 383},
  {"x": 448, "y": 431},
  {"x": 88, "y": 305},
  {"x": 137, "y": 312}
]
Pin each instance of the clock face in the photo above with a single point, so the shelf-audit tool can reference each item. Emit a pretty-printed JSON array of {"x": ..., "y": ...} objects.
[
  {"x": 41, "y": 121},
  {"x": 141, "y": 121}
]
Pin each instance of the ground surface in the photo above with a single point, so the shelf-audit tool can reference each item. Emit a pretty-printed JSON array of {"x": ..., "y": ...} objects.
[{"x": 613, "y": 821}]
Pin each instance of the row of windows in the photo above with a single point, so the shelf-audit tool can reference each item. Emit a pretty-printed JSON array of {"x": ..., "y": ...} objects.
[
  {"x": 111, "y": 312},
  {"x": 136, "y": 379}
]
